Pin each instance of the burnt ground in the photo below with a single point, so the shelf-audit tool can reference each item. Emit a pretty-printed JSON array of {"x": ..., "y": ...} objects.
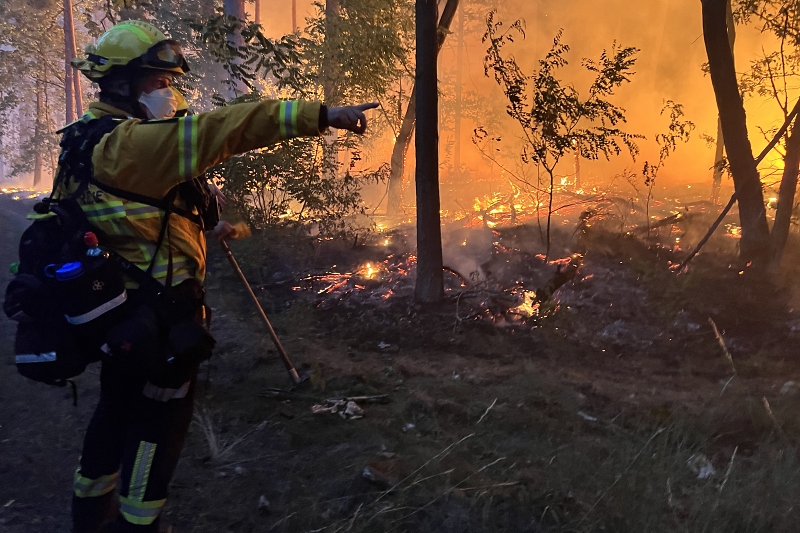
[{"x": 615, "y": 412}]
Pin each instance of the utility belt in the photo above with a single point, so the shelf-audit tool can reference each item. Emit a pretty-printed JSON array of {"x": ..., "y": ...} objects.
[{"x": 161, "y": 338}]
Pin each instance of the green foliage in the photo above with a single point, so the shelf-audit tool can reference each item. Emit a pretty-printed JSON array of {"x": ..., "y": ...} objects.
[
  {"x": 678, "y": 131},
  {"x": 554, "y": 118},
  {"x": 31, "y": 63},
  {"x": 364, "y": 54},
  {"x": 293, "y": 183},
  {"x": 255, "y": 58}
]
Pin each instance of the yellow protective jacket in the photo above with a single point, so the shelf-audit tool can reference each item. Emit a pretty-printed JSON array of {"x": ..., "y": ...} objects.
[{"x": 150, "y": 158}]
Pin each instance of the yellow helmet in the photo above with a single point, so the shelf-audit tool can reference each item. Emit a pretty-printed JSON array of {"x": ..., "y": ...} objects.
[{"x": 132, "y": 42}]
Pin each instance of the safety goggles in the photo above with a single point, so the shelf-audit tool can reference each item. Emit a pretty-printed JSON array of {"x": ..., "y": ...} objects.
[{"x": 165, "y": 54}]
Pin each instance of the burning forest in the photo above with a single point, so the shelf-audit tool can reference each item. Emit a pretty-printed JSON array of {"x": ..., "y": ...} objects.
[{"x": 529, "y": 266}]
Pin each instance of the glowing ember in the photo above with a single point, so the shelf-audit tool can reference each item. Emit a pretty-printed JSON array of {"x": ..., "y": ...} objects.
[
  {"x": 733, "y": 230},
  {"x": 368, "y": 271},
  {"x": 529, "y": 306}
]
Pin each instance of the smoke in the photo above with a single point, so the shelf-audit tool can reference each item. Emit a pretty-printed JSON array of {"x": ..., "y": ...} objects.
[{"x": 669, "y": 67}]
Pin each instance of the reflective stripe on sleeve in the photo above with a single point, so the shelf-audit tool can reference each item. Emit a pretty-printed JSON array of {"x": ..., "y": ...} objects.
[
  {"x": 139, "y": 512},
  {"x": 85, "y": 487},
  {"x": 187, "y": 147},
  {"x": 288, "y": 119}
]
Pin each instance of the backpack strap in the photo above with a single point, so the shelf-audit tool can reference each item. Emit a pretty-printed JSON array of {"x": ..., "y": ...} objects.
[{"x": 75, "y": 162}]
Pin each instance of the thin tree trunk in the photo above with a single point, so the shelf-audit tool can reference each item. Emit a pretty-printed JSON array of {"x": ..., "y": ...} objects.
[
  {"x": 754, "y": 244},
  {"x": 407, "y": 128},
  {"x": 549, "y": 212},
  {"x": 257, "y": 14},
  {"x": 294, "y": 16},
  {"x": 719, "y": 153},
  {"x": 37, "y": 133},
  {"x": 235, "y": 8},
  {"x": 78, "y": 93},
  {"x": 399, "y": 151},
  {"x": 330, "y": 68},
  {"x": 69, "y": 54},
  {"x": 430, "y": 282},
  {"x": 330, "y": 83},
  {"x": 783, "y": 215},
  {"x": 459, "y": 88}
]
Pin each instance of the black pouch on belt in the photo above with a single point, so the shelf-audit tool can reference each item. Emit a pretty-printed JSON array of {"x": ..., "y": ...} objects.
[{"x": 187, "y": 341}]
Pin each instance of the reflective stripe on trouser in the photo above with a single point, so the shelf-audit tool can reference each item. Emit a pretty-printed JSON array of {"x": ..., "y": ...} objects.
[
  {"x": 139, "y": 436},
  {"x": 85, "y": 487},
  {"x": 139, "y": 512}
]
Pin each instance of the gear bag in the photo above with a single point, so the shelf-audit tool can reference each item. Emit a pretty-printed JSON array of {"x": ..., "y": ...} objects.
[{"x": 66, "y": 292}]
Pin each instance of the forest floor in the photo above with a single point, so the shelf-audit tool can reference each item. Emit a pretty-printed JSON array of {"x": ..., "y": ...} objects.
[{"x": 617, "y": 410}]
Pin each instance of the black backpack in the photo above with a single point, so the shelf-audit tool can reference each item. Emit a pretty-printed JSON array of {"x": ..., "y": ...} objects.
[{"x": 66, "y": 292}]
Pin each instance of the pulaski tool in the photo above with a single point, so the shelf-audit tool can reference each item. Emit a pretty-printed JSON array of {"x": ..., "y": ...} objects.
[{"x": 296, "y": 378}]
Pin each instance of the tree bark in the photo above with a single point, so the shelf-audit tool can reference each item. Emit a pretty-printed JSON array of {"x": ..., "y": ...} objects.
[
  {"x": 69, "y": 54},
  {"x": 430, "y": 281},
  {"x": 330, "y": 67},
  {"x": 331, "y": 83},
  {"x": 38, "y": 130},
  {"x": 716, "y": 183},
  {"x": 783, "y": 215},
  {"x": 395, "y": 193},
  {"x": 294, "y": 16},
  {"x": 459, "y": 89},
  {"x": 257, "y": 14},
  {"x": 754, "y": 243},
  {"x": 78, "y": 93},
  {"x": 235, "y": 8}
]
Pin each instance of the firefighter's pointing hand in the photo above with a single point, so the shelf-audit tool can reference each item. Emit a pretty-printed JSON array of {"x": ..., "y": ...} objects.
[{"x": 350, "y": 117}]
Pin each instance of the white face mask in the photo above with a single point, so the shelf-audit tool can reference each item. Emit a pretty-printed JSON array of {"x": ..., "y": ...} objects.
[{"x": 160, "y": 103}]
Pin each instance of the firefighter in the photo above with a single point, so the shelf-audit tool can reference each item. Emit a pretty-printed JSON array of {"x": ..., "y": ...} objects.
[{"x": 137, "y": 432}]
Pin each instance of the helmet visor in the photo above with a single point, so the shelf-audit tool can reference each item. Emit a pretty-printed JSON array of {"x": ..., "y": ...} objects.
[{"x": 165, "y": 54}]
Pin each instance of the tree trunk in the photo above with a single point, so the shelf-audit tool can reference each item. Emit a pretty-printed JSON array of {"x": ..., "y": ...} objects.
[
  {"x": 257, "y": 14},
  {"x": 330, "y": 67},
  {"x": 78, "y": 93},
  {"x": 783, "y": 215},
  {"x": 399, "y": 151},
  {"x": 330, "y": 83},
  {"x": 38, "y": 130},
  {"x": 69, "y": 54},
  {"x": 430, "y": 281},
  {"x": 754, "y": 244},
  {"x": 716, "y": 183},
  {"x": 407, "y": 129},
  {"x": 235, "y": 8},
  {"x": 459, "y": 88},
  {"x": 294, "y": 16}
]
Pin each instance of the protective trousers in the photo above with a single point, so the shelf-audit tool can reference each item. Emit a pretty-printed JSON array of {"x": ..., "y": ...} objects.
[{"x": 131, "y": 449}]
